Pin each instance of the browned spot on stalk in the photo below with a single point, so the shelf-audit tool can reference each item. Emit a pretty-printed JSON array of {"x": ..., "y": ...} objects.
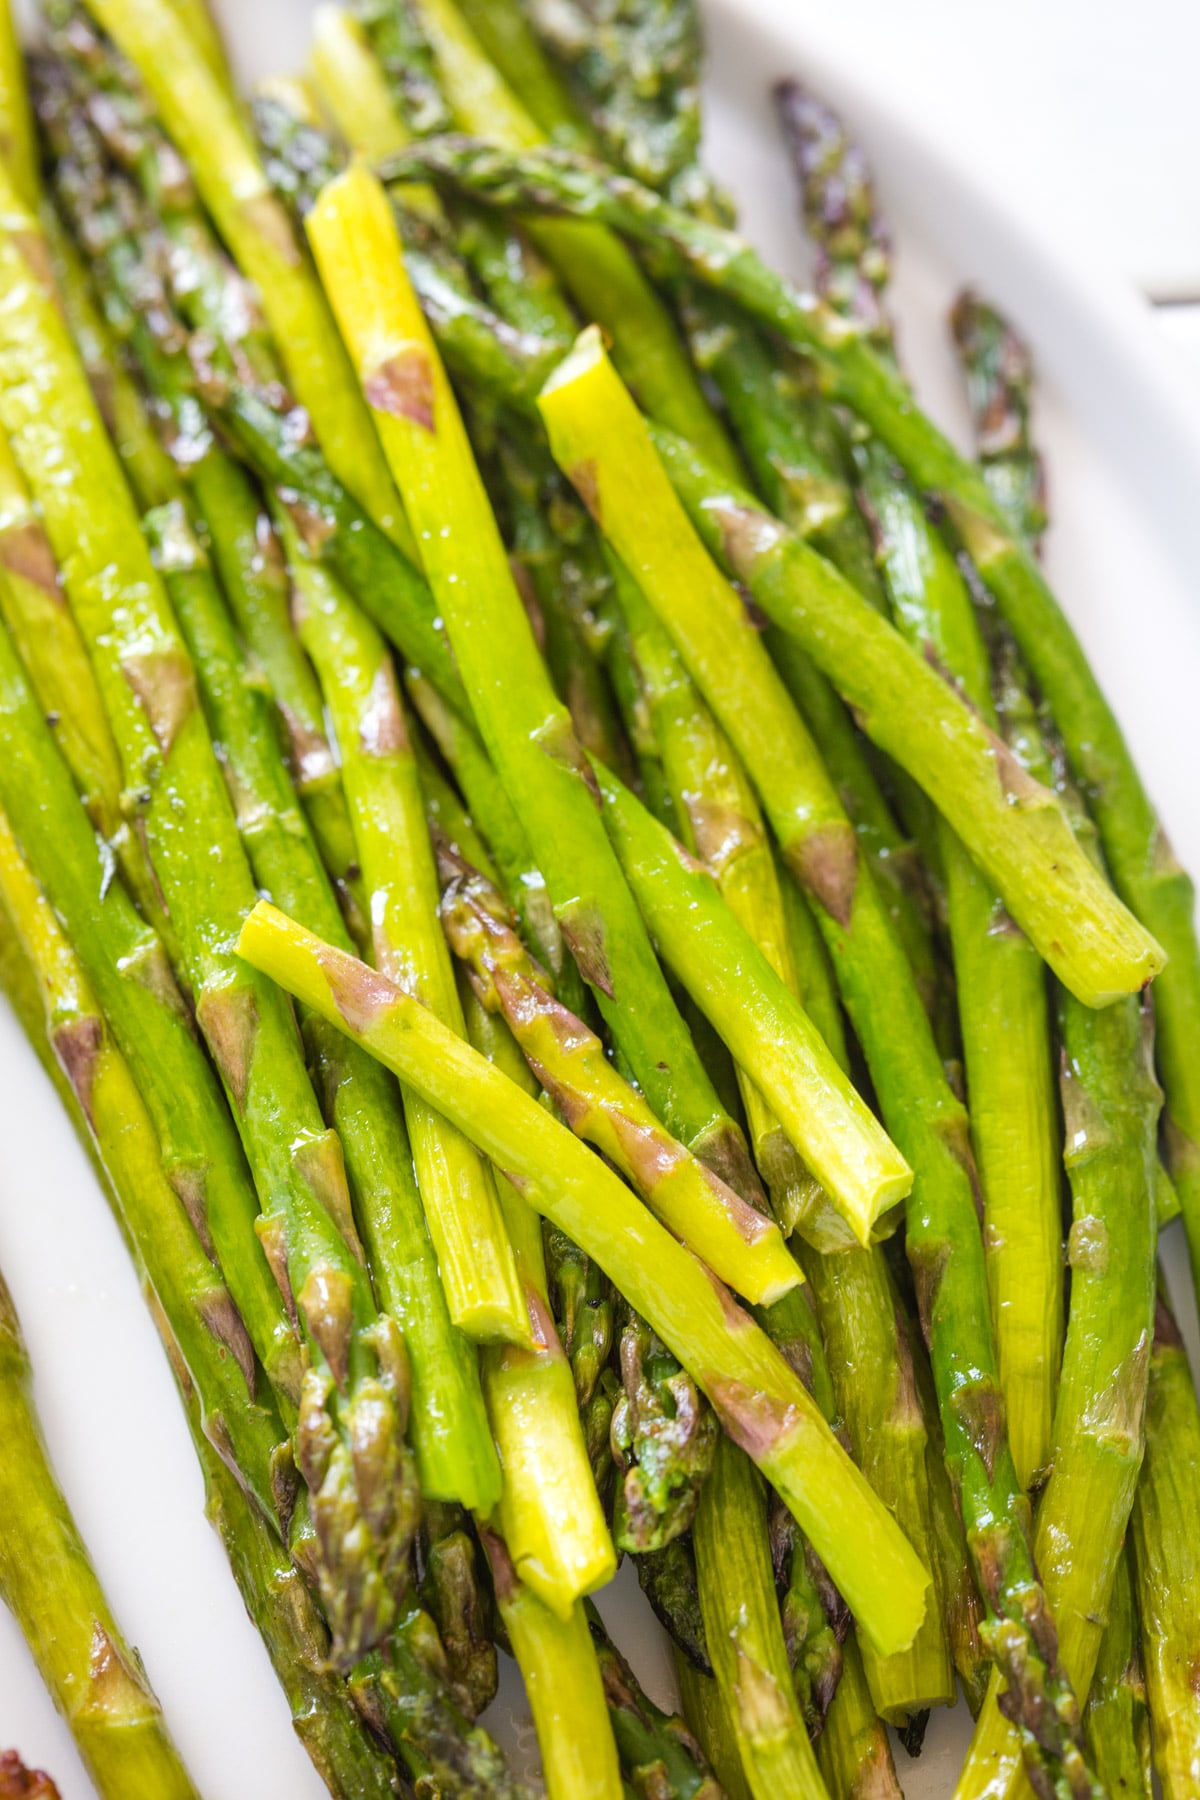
[
  {"x": 403, "y": 386},
  {"x": 644, "y": 1149},
  {"x": 928, "y": 1264},
  {"x": 504, "y": 1576},
  {"x": 582, "y": 926},
  {"x": 584, "y": 479},
  {"x": 541, "y": 1321},
  {"x": 223, "y": 1320},
  {"x": 320, "y": 1165},
  {"x": 957, "y": 1140},
  {"x": 979, "y": 1410},
  {"x": 725, "y": 1152},
  {"x": 267, "y": 218},
  {"x": 720, "y": 833},
  {"x": 34, "y": 249},
  {"x": 25, "y": 552},
  {"x": 228, "y": 1017},
  {"x": 314, "y": 526},
  {"x": 1017, "y": 784},
  {"x": 906, "y": 1404},
  {"x": 359, "y": 993},
  {"x": 1183, "y": 1153},
  {"x": 576, "y": 1108},
  {"x": 826, "y": 865},
  {"x": 190, "y": 1182},
  {"x": 746, "y": 534},
  {"x": 756, "y": 1422},
  {"x": 381, "y": 728},
  {"x": 309, "y": 753},
  {"x": 115, "y": 1689},
  {"x": 325, "y": 1302},
  {"x": 163, "y": 683},
  {"x": 272, "y": 1235},
  {"x": 77, "y": 1045}
]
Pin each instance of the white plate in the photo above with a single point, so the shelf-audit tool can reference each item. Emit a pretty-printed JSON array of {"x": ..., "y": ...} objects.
[{"x": 1125, "y": 473}]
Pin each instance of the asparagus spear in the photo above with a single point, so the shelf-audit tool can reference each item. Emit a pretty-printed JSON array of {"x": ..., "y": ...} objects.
[
  {"x": 1116, "y": 1720},
  {"x": 148, "y": 685},
  {"x": 595, "y": 268},
  {"x": 853, "y": 1752},
  {"x": 17, "y": 142},
  {"x": 526, "y": 729},
  {"x": 202, "y": 120},
  {"x": 1144, "y": 869},
  {"x": 696, "y": 1319},
  {"x": 48, "y": 1583},
  {"x": 128, "y": 1162},
  {"x": 742, "y": 1247},
  {"x": 475, "y": 1258},
  {"x": 999, "y": 371},
  {"x": 1049, "y": 886},
  {"x": 125, "y": 243},
  {"x": 1000, "y": 983},
  {"x": 204, "y": 1320},
  {"x": 563, "y": 1684},
  {"x": 723, "y": 826},
  {"x": 660, "y": 1758},
  {"x": 943, "y": 1239},
  {"x": 1166, "y": 1546},
  {"x": 551, "y": 1512},
  {"x": 745, "y": 1636}
]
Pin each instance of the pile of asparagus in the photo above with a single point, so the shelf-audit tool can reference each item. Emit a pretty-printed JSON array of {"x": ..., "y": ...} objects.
[{"x": 578, "y": 886}]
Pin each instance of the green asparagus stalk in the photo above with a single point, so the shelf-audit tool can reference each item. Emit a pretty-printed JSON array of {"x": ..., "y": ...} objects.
[
  {"x": 1002, "y": 1002},
  {"x": 1144, "y": 869},
  {"x": 1116, "y": 1720},
  {"x": 563, "y": 1684},
  {"x": 244, "y": 548},
  {"x": 1090, "y": 940},
  {"x": 789, "y": 442},
  {"x": 853, "y": 1752},
  {"x": 595, "y": 268},
  {"x": 131, "y": 1170},
  {"x": 148, "y": 685},
  {"x": 1166, "y": 1546},
  {"x": 723, "y": 826},
  {"x": 449, "y": 1565},
  {"x": 203, "y": 121},
  {"x": 205, "y": 1323},
  {"x": 745, "y": 1635},
  {"x": 551, "y": 1513},
  {"x": 766, "y": 1029},
  {"x": 449, "y": 1426},
  {"x": 525, "y": 727},
  {"x": 660, "y": 1758},
  {"x": 149, "y": 469},
  {"x": 1110, "y": 1107},
  {"x": 742, "y": 1247},
  {"x": 706, "y": 1712},
  {"x": 476, "y": 1261},
  {"x": 999, "y": 371},
  {"x": 17, "y": 142},
  {"x": 39, "y": 620},
  {"x": 354, "y": 89},
  {"x": 128, "y": 970},
  {"x": 755, "y": 1394},
  {"x": 943, "y": 1238},
  {"x": 48, "y": 1583}
]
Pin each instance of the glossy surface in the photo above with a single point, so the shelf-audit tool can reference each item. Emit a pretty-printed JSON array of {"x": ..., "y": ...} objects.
[{"x": 1124, "y": 467}]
